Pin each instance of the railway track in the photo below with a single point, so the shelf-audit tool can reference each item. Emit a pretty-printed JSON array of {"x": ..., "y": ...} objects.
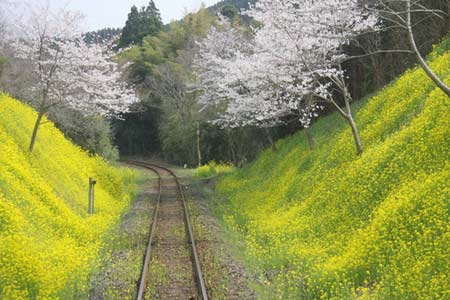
[{"x": 171, "y": 250}]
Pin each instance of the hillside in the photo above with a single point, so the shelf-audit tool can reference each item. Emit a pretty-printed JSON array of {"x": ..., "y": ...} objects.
[
  {"x": 48, "y": 242},
  {"x": 330, "y": 225},
  {"x": 238, "y": 4}
]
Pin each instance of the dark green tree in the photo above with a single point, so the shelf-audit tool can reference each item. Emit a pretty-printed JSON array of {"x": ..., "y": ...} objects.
[
  {"x": 151, "y": 23},
  {"x": 141, "y": 23},
  {"x": 131, "y": 29},
  {"x": 102, "y": 36},
  {"x": 229, "y": 11}
]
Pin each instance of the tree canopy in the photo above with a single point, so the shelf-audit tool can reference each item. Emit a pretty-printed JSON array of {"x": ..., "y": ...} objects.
[{"x": 141, "y": 23}]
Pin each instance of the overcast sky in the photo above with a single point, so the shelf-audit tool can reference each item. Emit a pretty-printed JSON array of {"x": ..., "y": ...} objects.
[{"x": 113, "y": 13}]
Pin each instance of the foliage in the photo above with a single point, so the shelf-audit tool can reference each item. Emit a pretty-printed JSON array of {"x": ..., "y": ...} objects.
[
  {"x": 230, "y": 8},
  {"x": 295, "y": 54},
  {"x": 3, "y": 62},
  {"x": 67, "y": 69},
  {"x": 329, "y": 225},
  {"x": 102, "y": 36},
  {"x": 156, "y": 69},
  {"x": 161, "y": 68},
  {"x": 92, "y": 133},
  {"x": 141, "y": 132},
  {"x": 229, "y": 11},
  {"x": 49, "y": 245},
  {"x": 140, "y": 23},
  {"x": 137, "y": 133},
  {"x": 178, "y": 142},
  {"x": 238, "y": 4},
  {"x": 212, "y": 169},
  {"x": 290, "y": 65}
]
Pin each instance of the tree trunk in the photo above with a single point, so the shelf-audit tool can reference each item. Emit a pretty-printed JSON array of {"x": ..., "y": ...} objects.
[
  {"x": 231, "y": 149},
  {"x": 35, "y": 131},
  {"x": 270, "y": 139},
  {"x": 355, "y": 132},
  {"x": 348, "y": 115},
  {"x": 199, "y": 151},
  {"x": 310, "y": 137},
  {"x": 421, "y": 60}
]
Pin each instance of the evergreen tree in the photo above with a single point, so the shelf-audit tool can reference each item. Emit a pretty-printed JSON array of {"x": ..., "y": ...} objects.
[
  {"x": 102, "y": 36},
  {"x": 151, "y": 21},
  {"x": 129, "y": 32},
  {"x": 141, "y": 23},
  {"x": 229, "y": 11}
]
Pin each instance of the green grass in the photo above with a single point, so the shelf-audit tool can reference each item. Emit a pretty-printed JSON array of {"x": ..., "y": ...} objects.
[{"x": 327, "y": 224}]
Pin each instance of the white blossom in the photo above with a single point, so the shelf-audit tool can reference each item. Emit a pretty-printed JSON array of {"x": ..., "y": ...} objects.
[
  {"x": 68, "y": 70},
  {"x": 289, "y": 65}
]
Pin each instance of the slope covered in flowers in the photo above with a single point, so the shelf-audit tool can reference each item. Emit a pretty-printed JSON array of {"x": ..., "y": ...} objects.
[
  {"x": 48, "y": 242},
  {"x": 330, "y": 225}
]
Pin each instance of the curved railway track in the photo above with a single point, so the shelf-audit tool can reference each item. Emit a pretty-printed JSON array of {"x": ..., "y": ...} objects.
[{"x": 168, "y": 246}]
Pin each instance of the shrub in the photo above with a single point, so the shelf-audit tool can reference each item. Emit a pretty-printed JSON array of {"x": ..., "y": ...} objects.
[{"x": 212, "y": 169}]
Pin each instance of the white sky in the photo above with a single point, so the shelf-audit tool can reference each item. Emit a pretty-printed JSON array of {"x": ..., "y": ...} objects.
[{"x": 113, "y": 13}]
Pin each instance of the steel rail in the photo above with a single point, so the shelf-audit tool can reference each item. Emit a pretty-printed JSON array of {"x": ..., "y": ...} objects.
[
  {"x": 195, "y": 258},
  {"x": 148, "y": 252}
]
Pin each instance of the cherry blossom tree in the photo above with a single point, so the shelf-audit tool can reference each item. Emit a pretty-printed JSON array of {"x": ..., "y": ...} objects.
[
  {"x": 69, "y": 71},
  {"x": 306, "y": 40},
  {"x": 217, "y": 52},
  {"x": 5, "y": 7},
  {"x": 293, "y": 66},
  {"x": 400, "y": 13},
  {"x": 226, "y": 93}
]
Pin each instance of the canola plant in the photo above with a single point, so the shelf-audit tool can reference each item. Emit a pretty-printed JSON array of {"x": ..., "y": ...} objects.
[
  {"x": 327, "y": 224},
  {"x": 49, "y": 244}
]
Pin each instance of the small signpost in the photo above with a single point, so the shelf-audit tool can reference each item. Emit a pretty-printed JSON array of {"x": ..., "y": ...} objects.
[{"x": 92, "y": 183}]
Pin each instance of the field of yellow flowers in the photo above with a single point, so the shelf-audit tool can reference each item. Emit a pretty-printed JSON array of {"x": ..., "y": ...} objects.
[
  {"x": 328, "y": 224},
  {"x": 49, "y": 245},
  {"x": 213, "y": 169}
]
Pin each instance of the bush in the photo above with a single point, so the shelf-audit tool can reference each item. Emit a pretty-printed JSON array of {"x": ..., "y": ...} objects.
[
  {"x": 92, "y": 133},
  {"x": 212, "y": 169}
]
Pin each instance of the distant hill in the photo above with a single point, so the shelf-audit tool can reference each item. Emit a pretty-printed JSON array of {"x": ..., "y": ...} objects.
[
  {"x": 106, "y": 34},
  {"x": 239, "y": 4},
  {"x": 103, "y": 35},
  {"x": 232, "y": 6}
]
